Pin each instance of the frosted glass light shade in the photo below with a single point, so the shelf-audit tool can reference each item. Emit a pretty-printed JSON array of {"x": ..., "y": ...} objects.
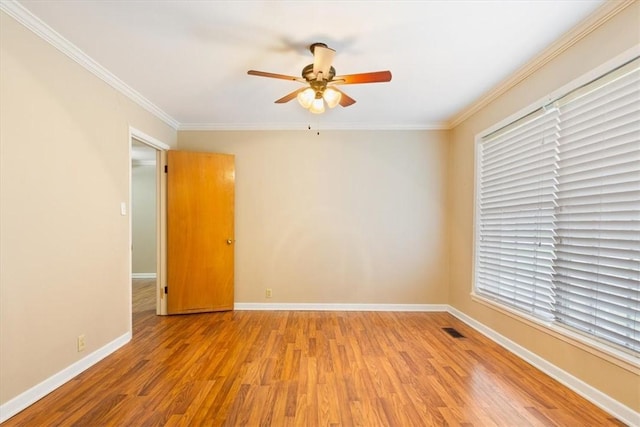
[
  {"x": 317, "y": 106},
  {"x": 332, "y": 97},
  {"x": 306, "y": 97}
]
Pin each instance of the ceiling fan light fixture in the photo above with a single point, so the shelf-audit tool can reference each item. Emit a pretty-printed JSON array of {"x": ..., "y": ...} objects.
[
  {"x": 306, "y": 97},
  {"x": 320, "y": 76},
  {"x": 317, "y": 106},
  {"x": 332, "y": 97}
]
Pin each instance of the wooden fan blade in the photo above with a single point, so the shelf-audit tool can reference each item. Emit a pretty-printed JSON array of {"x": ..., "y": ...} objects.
[
  {"x": 275, "y": 76},
  {"x": 290, "y": 96},
  {"x": 345, "y": 100},
  {"x": 374, "y": 77}
]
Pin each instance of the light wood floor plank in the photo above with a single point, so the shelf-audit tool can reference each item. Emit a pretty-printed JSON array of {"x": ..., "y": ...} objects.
[
  {"x": 144, "y": 295},
  {"x": 248, "y": 368}
]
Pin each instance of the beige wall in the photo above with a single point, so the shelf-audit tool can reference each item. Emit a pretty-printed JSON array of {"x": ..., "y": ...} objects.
[
  {"x": 143, "y": 218},
  {"x": 616, "y": 36},
  {"x": 64, "y": 247},
  {"x": 340, "y": 217}
]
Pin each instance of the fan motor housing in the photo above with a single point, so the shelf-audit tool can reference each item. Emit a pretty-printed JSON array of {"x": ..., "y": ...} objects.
[{"x": 307, "y": 73}]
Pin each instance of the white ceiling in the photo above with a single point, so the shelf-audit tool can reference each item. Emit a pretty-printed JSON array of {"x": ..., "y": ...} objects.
[{"x": 190, "y": 58}]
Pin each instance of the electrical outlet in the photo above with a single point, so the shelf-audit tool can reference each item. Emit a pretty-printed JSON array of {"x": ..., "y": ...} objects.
[
  {"x": 268, "y": 293},
  {"x": 81, "y": 343}
]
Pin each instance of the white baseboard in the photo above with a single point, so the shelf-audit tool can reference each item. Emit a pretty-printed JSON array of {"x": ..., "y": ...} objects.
[
  {"x": 598, "y": 398},
  {"x": 338, "y": 307},
  {"x": 143, "y": 275},
  {"x": 37, "y": 392}
]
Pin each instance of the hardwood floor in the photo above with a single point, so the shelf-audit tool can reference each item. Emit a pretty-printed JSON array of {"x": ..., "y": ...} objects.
[
  {"x": 144, "y": 295},
  {"x": 259, "y": 368}
]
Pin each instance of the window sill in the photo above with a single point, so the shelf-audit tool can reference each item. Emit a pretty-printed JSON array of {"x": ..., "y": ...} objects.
[{"x": 620, "y": 358}]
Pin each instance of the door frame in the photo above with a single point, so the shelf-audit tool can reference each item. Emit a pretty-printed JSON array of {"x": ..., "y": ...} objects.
[{"x": 161, "y": 217}]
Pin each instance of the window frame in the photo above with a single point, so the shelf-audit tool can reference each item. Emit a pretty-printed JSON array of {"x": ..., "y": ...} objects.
[{"x": 592, "y": 344}]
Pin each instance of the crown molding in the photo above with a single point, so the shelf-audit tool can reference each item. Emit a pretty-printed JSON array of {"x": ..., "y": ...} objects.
[
  {"x": 605, "y": 12},
  {"x": 306, "y": 126},
  {"x": 40, "y": 28}
]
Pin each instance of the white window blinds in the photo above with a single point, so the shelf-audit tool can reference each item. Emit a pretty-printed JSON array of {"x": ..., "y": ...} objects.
[
  {"x": 516, "y": 207},
  {"x": 598, "y": 215},
  {"x": 558, "y": 211}
]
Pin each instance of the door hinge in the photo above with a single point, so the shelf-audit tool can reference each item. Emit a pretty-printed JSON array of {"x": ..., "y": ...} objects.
[
  {"x": 166, "y": 289},
  {"x": 166, "y": 168}
]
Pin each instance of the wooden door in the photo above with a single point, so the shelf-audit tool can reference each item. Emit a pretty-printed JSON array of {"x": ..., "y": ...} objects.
[{"x": 200, "y": 232}]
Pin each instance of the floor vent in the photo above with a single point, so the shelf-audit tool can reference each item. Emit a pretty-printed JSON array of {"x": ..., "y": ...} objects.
[{"x": 453, "y": 332}]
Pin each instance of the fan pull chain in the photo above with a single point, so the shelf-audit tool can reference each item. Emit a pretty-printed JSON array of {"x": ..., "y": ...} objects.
[{"x": 317, "y": 129}]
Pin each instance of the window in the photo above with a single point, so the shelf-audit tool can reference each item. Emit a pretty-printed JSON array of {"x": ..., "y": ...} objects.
[{"x": 558, "y": 211}]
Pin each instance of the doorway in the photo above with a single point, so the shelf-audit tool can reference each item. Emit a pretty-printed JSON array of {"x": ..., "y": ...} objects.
[
  {"x": 144, "y": 245},
  {"x": 146, "y": 224}
]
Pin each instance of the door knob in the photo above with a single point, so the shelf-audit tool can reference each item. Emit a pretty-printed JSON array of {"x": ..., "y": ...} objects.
[{"x": 229, "y": 241}]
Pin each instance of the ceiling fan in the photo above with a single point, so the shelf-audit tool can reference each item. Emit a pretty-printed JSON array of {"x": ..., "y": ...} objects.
[{"x": 320, "y": 81}]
